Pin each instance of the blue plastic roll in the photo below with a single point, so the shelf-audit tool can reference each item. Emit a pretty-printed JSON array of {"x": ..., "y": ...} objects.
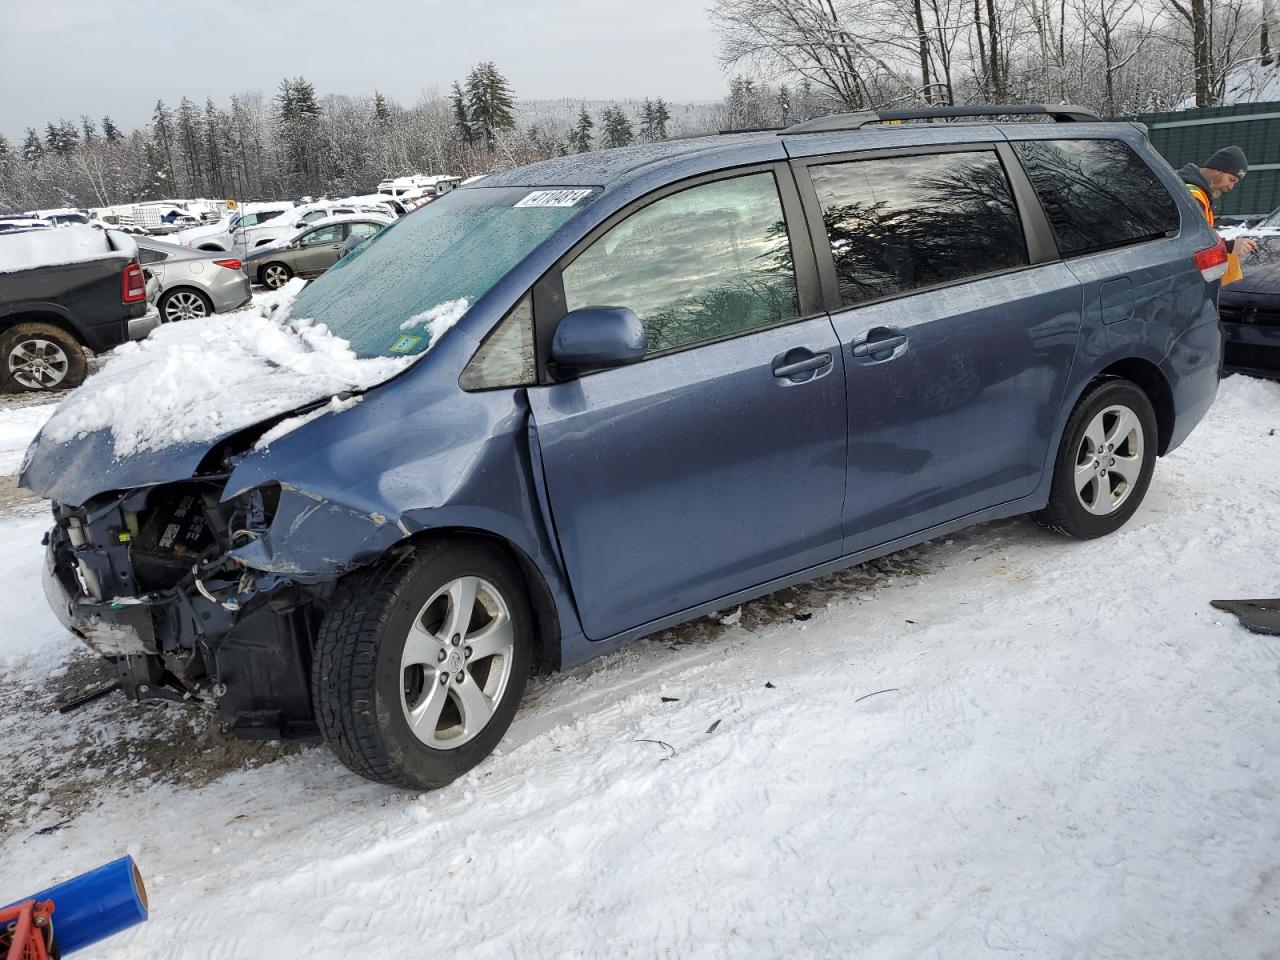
[{"x": 97, "y": 904}]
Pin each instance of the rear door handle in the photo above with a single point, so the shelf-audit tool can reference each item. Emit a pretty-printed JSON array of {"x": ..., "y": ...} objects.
[
  {"x": 815, "y": 362},
  {"x": 879, "y": 345}
]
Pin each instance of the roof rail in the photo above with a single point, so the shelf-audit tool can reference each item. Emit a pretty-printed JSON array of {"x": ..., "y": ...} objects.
[{"x": 1064, "y": 113}]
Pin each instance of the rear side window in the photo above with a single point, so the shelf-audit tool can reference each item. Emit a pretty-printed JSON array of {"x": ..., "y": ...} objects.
[
  {"x": 709, "y": 262},
  {"x": 1097, "y": 193},
  {"x": 899, "y": 223}
]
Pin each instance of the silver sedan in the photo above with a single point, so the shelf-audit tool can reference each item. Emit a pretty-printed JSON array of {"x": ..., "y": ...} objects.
[{"x": 193, "y": 283}]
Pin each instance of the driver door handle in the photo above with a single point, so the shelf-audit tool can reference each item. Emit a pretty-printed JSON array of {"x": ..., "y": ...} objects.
[
  {"x": 879, "y": 340},
  {"x": 816, "y": 362}
]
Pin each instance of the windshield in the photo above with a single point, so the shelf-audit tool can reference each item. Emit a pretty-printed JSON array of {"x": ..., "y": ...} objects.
[{"x": 408, "y": 284}]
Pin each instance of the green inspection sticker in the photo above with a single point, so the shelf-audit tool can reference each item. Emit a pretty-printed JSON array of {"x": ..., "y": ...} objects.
[{"x": 406, "y": 344}]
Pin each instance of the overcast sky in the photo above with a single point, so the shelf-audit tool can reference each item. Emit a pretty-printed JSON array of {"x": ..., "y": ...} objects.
[{"x": 62, "y": 58}]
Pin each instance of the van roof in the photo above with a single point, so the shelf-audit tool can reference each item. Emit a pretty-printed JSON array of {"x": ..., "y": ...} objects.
[{"x": 605, "y": 167}]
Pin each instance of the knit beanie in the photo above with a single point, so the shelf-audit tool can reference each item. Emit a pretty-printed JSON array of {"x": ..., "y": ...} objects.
[{"x": 1229, "y": 160}]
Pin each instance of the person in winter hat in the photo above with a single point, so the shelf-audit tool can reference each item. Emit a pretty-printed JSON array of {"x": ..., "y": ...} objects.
[{"x": 1210, "y": 180}]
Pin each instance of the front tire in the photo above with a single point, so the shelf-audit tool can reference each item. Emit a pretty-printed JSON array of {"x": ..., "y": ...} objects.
[
  {"x": 1104, "y": 463},
  {"x": 275, "y": 275},
  {"x": 420, "y": 663},
  {"x": 40, "y": 356}
]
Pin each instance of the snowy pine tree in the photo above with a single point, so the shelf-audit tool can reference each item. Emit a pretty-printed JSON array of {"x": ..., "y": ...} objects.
[
  {"x": 32, "y": 147},
  {"x": 162, "y": 136},
  {"x": 617, "y": 128},
  {"x": 110, "y": 132},
  {"x": 461, "y": 120},
  {"x": 490, "y": 103},
  {"x": 581, "y": 137}
]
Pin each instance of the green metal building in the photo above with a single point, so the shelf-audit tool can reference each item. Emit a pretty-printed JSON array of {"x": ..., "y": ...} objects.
[{"x": 1191, "y": 136}]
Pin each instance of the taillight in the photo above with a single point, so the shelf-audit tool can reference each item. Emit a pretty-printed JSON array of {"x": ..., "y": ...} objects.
[
  {"x": 229, "y": 264},
  {"x": 1212, "y": 263},
  {"x": 133, "y": 286}
]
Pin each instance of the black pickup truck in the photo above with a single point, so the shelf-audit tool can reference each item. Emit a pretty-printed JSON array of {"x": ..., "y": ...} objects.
[{"x": 63, "y": 290}]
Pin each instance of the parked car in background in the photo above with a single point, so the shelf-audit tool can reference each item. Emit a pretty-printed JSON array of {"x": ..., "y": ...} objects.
[
  {"x": 60, "y": 216},
  {"x": 1250, "y": 307},
  {"x": 578, "y": 413},
  {"x": 311, "y": 251},
  {"x": 238, "y": 232},
  {"x": 193, "y": 283},
  {"x": 22, "y": 223},
  {"x": 64, "y": 290},
  {"x": 284, "y": 227},
  {"x": 388, "y": 203},
  {"x": 418, "y": 187}
]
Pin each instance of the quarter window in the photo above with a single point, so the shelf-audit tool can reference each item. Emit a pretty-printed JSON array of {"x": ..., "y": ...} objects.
[
  {"x": 900, "y": 223},
  {"x": 505, "y": 359},
  {"x": 709, "y": 262},
  {"x": 1096, "y": 193}
]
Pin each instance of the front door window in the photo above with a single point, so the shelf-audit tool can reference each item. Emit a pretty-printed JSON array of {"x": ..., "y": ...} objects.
[{"x": 707, "y": 263}]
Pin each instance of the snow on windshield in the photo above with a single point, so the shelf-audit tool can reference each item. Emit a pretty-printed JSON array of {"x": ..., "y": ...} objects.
[
  {"x": 198, "y": 380},
  {"x": 75, "y": 243},
  {"x": 438, "y": 319}
]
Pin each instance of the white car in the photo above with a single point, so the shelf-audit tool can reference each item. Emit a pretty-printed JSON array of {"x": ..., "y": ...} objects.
[
  {"x": 238, "y": 233},
  {"x": 263, "y": 224},
  {"x": 418, "y": 187}
]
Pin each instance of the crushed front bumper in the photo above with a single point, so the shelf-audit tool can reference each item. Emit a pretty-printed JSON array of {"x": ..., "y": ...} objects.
[{"x": 117, "y": 629}]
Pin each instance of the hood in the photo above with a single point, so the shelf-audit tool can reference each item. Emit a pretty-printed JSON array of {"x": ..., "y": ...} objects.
[
  {"x": 1262, "y": 268},
  {"x": 161, "y": 405}
]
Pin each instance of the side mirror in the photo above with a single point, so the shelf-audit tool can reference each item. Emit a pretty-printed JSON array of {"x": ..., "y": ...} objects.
[{"x": 596, "y": 338}]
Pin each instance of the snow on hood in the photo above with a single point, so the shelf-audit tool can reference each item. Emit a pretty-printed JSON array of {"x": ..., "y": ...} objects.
[{"x": 199, "y": 380}]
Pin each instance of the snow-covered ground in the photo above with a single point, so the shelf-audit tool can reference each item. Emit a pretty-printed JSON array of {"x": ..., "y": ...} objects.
[
  {"x": 18, "y": 425},
  {"x": 1003, "y": 744}
]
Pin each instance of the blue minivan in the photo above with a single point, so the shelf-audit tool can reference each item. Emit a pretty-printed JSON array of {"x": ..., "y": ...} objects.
[{"x": 674, "y": 377}]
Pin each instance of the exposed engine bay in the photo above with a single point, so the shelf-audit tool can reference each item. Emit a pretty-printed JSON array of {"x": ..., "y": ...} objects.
[{"x": 148, "y": 579}]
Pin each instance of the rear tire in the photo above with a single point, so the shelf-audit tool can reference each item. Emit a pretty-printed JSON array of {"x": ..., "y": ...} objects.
[
  {"x": 390, "y": 652},
  {"x": 275, "y": 275},
  {"x": 1104, "y": 463},
  {"x": 184, "y": 303},
  {"x": 40, "y": 356}
]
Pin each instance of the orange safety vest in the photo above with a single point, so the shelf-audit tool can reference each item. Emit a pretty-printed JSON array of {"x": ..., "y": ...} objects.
[{"x": 1234, "y": 272}]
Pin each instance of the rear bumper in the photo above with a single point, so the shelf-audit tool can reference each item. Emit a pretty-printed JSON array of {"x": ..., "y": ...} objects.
[{"x": 139, "y": 327}]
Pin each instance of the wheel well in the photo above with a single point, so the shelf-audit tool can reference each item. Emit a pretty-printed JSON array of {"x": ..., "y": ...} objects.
[
  {"x": 546, "y": 620},
  {"x": 13, "y": 319},
  {"x": 212, "y": 248},
  {"x": 184, "y": 286},
  {"x": 1147, "y": 375}
]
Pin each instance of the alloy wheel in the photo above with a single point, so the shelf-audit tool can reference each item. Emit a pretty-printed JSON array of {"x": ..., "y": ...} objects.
[
  {"x": 185, "y": 305},
  {"x": 1109, "y": 460},
  {"x": 275, "y": 276},
  {"x": 456, "y": 663},
  {"x": 38, "y": 364}
]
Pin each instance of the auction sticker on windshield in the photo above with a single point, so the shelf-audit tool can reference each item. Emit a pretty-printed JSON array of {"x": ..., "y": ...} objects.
[{"x": 553, "y": 198}]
